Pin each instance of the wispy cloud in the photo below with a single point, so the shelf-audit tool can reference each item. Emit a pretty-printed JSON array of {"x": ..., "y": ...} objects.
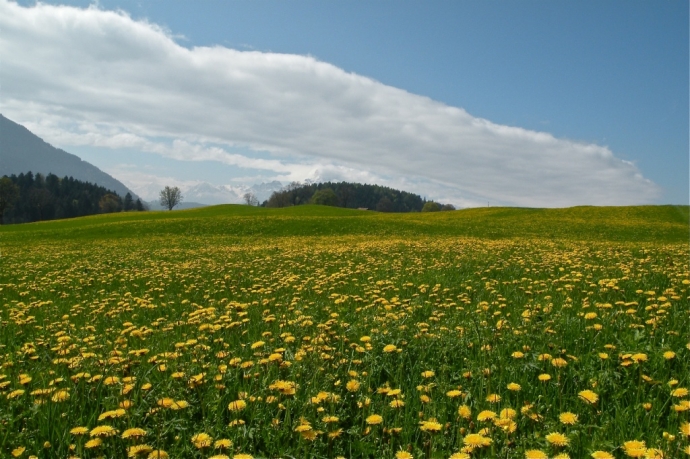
[{"x": 94, "y": 77}]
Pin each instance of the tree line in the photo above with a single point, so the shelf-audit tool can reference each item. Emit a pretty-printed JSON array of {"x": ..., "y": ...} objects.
[
  {"x": 353, "y": 196},
  {"x": 28, "y": 198}
]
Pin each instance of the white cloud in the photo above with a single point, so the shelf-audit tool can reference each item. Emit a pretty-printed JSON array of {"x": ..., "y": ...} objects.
[{"x": 94, "y": 77}]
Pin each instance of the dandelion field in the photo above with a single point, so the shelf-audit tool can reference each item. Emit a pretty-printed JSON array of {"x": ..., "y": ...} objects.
[{"x": 326, "y": 333}]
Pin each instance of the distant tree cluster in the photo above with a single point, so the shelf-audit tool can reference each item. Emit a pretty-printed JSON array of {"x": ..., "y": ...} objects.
[
  {"x": 350, "y": 195},
  {"x": 29, "y": 198}
]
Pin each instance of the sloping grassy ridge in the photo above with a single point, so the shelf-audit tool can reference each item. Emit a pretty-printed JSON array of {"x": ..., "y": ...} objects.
[{"x": 635, "y": 224}]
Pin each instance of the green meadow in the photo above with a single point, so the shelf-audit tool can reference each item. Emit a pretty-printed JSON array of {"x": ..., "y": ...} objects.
[{"x": 318, "y": 332}]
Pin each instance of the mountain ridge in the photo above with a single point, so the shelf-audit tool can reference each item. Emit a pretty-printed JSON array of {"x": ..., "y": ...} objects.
[{"x": 22, "y": 151}]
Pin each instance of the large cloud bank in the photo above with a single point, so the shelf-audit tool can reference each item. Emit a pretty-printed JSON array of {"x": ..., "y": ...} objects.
[{"x": 94, "y": 77}]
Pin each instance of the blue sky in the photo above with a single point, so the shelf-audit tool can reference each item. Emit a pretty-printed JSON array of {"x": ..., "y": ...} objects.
[{"x": 611, "y": 75}]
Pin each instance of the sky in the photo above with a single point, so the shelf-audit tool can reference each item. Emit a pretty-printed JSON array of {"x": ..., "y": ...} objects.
[{"x": 474, "y": 103}]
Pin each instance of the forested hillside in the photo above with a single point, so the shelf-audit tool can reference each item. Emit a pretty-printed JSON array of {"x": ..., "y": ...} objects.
[
  {"x": 352, "y": 196},
  {"x": 28, "y": 198}
]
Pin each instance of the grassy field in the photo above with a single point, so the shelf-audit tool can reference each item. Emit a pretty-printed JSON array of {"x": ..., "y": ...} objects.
[{"x": 232, "y": 331}]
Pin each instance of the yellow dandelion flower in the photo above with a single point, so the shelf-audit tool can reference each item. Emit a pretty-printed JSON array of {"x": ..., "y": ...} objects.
[
  {"x": 403, "y": 455},
  {"x": 544, "y": 377},
  {"x": 515, "y": 387},
  {"x": 374, "y": 419},
  {"x": 685, "y": 429},
  {"x": 237, "y": 405},
  {"x": 432, "y": 425},
  {"x": 397, "y": 403},
  {"x": 135, "y": 432},
  {"x": 223, "y": 443},
  {"x": 352, "y": 385},
  {"x": 389, "y": 348},
  {"x": 493, "y": 398},
  {"x": 634, "y": 448},
  {"x": 486, "y": 415},
  {"x": 568, "y": 418},
  {"x": 202, "y": 440},
  {"x": 602, "y": 455},
  {"x": 557, "y": 439},
  {"x": 535, "y": 454},
  {"x": 60, "y": 396},
  {"x": 428, "y": 374},
  {"x": 559, "y": 362},
  {"x": 18, "y": 451},
  {"x": 588, "y": 396},
  {"x": 79, "y": 431},
  {"x": 158, "y": 454},
  {"x": 668, "y": 355},
  {"x": 103, "y": 431},
  {"x": 680, "y": 392},
  {"x": 93, "y": 443},
  {"x": 465, "y": 412}
]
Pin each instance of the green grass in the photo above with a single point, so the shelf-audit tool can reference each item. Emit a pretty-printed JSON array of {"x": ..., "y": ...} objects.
[
  {"x": 213, "y": 305},
  {"x": 642, "y": 223}
]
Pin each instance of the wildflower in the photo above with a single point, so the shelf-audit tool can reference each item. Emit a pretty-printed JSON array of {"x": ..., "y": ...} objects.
[
  {"x": 136, "y": 450},
  {"x": 602, "y": 455},
  {"x": 202, "y": 440},
  {"x": 507, "y": 413},
  {"x": 258, "y": 344},
  {"x": 544, "y": 377},
  {"x": 389, "y": 348},
  {"x": 352, "y": 385},
  {"x": 18, "y": 451},
  {"x": 60, "y": 396},
  {"x": 588, "y": 396},
  {"x": 680, "y": 392},
  {"x": 493, "y": 398},
  {"x": 637, "y": 358},
  {"x": 103, "y": 431},
  {"x": 514, "y": 387},
  {"x": 79, "y": 431},
  {"x": 397, "y": 403},
  {"x": 476, "y": 440},
  {"x": 668, "y": 355},
  {"x": 464, "y": 411},
  {"x": 374, "y": 419},
  {"x": 486, "y": 415},
  {"x": 654, "y": 453},
  {"x": 93, "y": 443},
  {"x": 237, "y": 405},
  {"x": 330, "y": 419},
  {"x": 135, "y": 432},
  {"x": 223, "y": 443},
  {"x": 559, "y": 362},
  {"x": 242, "y": 456},
  {"x": 403, "y": 455},
  {"x": 685, "y": 429},
  {"x": 535, "y": 454},
  {"x": 459, "y": 456},
  {"x": 432, "y": 425},
  {"x": 634, "y": 448},
  {"x": 158, "y": 454},
  {"x": 428, "y": 374},
  {"x": 557, "y": 439},
  {"x": 517, "y": 355},
  {"x": 568, "y": 418}
]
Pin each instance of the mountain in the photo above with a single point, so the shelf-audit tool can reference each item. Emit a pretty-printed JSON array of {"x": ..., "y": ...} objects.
[
  {"x": 227, "y": 194},
  {"x": 22, "y": 151}
]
